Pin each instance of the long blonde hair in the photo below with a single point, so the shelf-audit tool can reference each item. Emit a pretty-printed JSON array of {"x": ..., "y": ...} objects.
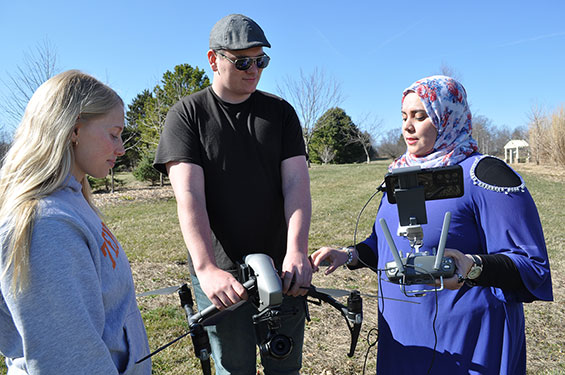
[{"x": 41, "y": 157}]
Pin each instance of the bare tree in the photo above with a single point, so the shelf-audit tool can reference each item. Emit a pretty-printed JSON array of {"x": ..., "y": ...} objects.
[
  {"x": 327, "y": 154},
  {"x": 547, "y": 136},
  {"x": 365, "y": 137},
  {"x": 483, "y": 132},
  {"x": 557, "y": 136},
  {"x": 311, "y": 95},
  {"x": 38, "y": 65},
  {"x": 392, "y": 144},
  {"x": 4, "y": 145},
  {"x": 449, "y": 71},
  {"x": 491, "y": 139},
  {"x": 520, "y": 132},
  {"x": 537, "y": 133}
]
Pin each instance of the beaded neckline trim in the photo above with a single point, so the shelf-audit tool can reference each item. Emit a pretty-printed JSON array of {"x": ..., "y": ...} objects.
[{"x": 500, "y": 189}]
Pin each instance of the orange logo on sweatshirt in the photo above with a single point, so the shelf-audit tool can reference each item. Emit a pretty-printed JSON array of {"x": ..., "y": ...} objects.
[{"x": 110, "y": 247}]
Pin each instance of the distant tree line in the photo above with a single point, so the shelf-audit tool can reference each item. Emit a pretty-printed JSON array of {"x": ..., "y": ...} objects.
[
  {"x": 490, "y": 138},
  {"x": 330, "y": 135}
]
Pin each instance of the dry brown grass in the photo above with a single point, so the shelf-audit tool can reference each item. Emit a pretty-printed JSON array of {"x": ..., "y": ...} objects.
[
  {"x": 326, "y": 337},
  {"x": 550, "y": 172}
]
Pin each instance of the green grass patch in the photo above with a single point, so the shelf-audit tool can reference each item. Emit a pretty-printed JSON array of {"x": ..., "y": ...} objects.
[
  {"x": 147, "y": 230},
  {"x": 548, "y": 196},
  {"x": 338, "y": 194},
  {"x": 150, "y": 234}
]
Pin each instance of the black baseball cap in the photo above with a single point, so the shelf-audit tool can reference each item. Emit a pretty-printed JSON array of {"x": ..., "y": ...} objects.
[{"x": 235, "y": 32}]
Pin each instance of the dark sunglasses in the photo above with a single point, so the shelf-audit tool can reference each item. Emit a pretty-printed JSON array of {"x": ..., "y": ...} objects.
[{"x": 244, "y": 63}]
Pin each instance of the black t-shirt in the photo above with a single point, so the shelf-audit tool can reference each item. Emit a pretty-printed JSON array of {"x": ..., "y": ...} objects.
[{"x": 240, "y": 147}]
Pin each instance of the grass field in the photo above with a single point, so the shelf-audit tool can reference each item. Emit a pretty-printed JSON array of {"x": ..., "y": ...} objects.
[{"x": 148, "y": 229}]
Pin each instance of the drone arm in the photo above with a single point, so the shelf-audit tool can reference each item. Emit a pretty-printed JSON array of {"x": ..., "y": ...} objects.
[
  {"x": 210, "y": 311},
  {"x": 199, "y": 336},
  {"x": 354, "y": 337},
  {"x": 186, "y": 300},
  {"x": 312, "y": 292},
  {"x": 187, "y": 304},
  {"x": 353, "y": 313}
]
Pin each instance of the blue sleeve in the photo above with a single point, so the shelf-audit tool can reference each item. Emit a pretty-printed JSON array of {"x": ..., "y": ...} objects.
[
  {"x": 511, "y": 226},
  {"x": 60, "y": 313},
  {"x": 371, "y": 241},
  {"x": 370, "y": 244}
]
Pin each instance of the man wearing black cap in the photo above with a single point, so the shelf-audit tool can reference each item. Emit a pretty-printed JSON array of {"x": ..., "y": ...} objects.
[{"x": 236, "y": 159}]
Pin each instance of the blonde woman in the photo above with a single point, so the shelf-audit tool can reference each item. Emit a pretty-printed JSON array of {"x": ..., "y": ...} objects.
[{"x": 67, "y": 303}]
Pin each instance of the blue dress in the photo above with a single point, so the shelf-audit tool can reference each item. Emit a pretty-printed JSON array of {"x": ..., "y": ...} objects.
[{"x": 478, "y": 330}]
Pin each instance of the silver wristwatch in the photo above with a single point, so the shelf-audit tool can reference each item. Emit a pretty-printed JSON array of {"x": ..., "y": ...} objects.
[
  {"x": 475, "y": 271},
  {"x": 349, "y": 251}
]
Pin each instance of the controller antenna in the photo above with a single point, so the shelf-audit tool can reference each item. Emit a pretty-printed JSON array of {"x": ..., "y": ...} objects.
[{"x": 442, "y": 240}]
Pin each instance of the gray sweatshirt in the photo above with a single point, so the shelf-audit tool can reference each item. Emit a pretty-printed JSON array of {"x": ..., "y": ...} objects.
[{"x": 78, "y": 314}]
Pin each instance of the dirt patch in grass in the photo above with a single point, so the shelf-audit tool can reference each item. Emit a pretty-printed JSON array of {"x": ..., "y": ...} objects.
[{"x": 134, "y": 194}]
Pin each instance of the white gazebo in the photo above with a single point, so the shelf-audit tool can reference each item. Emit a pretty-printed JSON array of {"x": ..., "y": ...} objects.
[{"x": 514, "y": 148}]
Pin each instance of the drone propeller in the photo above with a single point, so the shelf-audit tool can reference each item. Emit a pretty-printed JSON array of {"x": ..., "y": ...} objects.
[
  {"x": 337, "y": 293},
  {"x": 159, "y": 292}
]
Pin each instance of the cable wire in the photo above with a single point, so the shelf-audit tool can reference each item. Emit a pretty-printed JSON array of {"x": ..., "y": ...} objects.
[
  {"x": 379, "y": 189},
  {"x": 380, "y": 290},
  {"x": 369, "y": 346},
  {"x": 435, "y": 334}
]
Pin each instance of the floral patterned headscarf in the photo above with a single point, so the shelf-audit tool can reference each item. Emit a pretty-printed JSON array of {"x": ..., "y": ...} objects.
[{"x": 445, "y": 101}]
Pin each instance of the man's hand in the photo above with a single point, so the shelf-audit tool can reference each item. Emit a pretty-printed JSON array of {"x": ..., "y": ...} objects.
[
  {"x": 221, "y": 288},
  {"x": 296, "y": 274}
]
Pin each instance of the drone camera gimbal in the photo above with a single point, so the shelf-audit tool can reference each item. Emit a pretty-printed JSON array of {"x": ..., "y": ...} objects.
[
  {"x": 267, "y": 299},
  {"x": 264, "y": 288}
]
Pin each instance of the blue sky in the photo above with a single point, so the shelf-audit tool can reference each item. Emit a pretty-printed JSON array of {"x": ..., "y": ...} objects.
[{"x": 509, "y": 55}]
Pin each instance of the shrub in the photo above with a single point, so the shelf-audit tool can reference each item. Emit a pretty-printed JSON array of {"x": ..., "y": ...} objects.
[
  {"x": 145, "y": 171},
  {"x": 103, "y": 183}
]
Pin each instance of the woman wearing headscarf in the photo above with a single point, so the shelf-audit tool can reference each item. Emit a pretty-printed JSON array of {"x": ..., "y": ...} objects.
[{"x": 476, "y": 324}]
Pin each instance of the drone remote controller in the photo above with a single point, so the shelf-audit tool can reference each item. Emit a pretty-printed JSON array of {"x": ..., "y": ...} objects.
[
  {"x": 417, "y": 268},
  {"x": 409, "y": 188}
]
